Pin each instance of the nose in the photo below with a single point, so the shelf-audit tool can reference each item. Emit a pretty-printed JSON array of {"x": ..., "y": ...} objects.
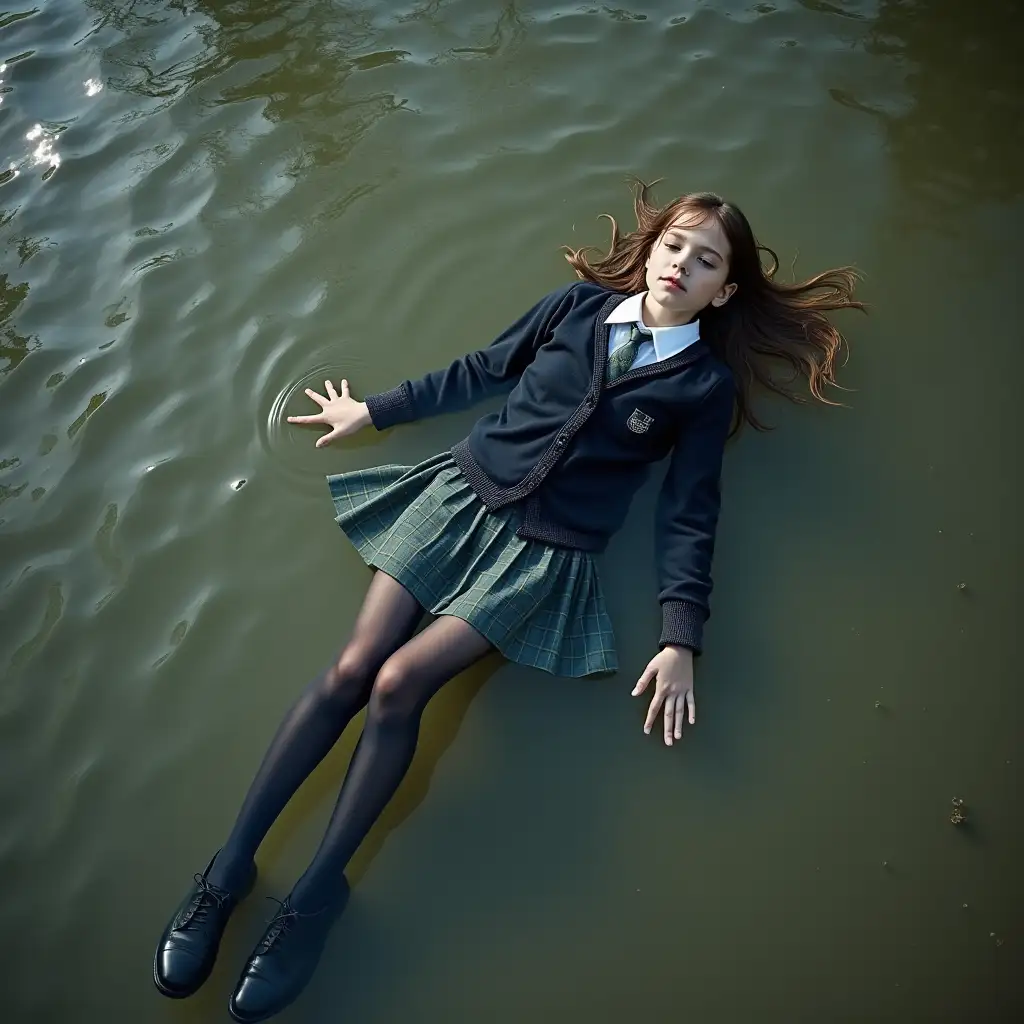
[{"x": 679, "y": 263}]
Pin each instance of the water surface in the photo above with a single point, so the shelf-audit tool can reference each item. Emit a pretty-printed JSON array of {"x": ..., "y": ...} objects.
[{"x": 206, "y": 206}]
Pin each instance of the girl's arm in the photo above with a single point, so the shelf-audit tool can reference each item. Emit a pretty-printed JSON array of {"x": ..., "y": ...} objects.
[
  {"x": 466, "y": 381},
  {"x": 685, "y": 524},
  {"x": 475, "y": 376},
  {"x": 687, "y": 517}
]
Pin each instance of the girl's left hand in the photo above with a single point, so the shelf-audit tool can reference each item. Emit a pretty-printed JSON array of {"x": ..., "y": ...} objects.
[{"x": 671, "y": 669}]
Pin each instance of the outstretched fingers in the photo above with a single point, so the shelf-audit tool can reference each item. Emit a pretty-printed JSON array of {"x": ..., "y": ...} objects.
[
  {"x": 680, "y": 715},
  {"x": 644, "y": 681},
  {"x": 328, "y": 437},
  {"x": 317, "y": 417},
  {"x": 669, "y": 718},
  {"x": 672, "y": 699},
  {"x": 657, "y": 701}
]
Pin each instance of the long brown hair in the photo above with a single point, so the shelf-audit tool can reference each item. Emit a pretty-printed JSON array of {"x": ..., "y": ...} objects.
[{"x": 766, "y": 325}]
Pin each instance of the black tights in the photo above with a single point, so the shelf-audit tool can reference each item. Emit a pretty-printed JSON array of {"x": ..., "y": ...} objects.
[{"x": 391, "y": 672}]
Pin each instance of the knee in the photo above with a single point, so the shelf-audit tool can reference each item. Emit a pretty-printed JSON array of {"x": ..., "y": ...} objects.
[
  {"x": 348, "y": 678},
  {"x": 392, "y": 695}
]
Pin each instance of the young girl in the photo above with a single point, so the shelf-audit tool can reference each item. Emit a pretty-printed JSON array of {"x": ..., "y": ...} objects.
[{"x": 654, "y": 352}]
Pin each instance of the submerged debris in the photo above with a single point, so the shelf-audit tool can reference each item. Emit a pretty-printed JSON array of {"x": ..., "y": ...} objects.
[{"x": 959, "y": 813}]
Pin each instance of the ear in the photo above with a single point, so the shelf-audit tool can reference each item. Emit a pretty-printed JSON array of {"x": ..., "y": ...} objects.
[{"x": 724, "y": 295}]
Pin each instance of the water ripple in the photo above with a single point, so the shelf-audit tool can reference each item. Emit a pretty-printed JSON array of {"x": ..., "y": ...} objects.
[{"x": 291, "y": 448}]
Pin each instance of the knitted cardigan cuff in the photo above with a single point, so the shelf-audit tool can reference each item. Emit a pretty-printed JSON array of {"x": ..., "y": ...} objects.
[
  {"x": 682, "y": 622},
  {"x": 390, "y": 407}
]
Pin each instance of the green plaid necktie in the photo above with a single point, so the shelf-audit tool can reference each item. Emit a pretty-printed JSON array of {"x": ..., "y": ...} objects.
[{"x": 622, "y": 358}]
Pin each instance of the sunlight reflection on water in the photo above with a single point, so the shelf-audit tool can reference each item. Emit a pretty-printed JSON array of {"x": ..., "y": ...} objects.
[{"x": 44, "y": 152}]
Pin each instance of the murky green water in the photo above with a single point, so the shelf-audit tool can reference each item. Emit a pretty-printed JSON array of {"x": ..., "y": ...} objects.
[{"x": 252, "y": 195}]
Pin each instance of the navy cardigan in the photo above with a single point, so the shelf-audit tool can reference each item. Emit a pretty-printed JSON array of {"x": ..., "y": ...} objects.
[{"x": 573, "y": 450}]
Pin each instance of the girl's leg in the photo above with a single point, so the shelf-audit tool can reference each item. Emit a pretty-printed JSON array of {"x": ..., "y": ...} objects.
[
  {"x": 387, "y": 620},
  {"x": 404, "y": 684},
  {"x": 286, "y": 957}
]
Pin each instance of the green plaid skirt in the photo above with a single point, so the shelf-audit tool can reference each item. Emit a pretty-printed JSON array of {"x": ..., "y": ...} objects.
[{"x": 424, "y": 525}]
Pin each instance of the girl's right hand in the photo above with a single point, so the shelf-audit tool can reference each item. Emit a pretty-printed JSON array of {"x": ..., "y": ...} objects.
[{"x": 342, "y": 413}]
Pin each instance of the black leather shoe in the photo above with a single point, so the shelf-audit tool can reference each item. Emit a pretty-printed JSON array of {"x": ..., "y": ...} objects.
[
  {"x": 188, "y": 947},
  {"x": 283, "y": 961}
]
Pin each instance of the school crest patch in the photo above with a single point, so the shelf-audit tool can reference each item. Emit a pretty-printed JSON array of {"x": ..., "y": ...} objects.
[{"x": 639, "y": 422}]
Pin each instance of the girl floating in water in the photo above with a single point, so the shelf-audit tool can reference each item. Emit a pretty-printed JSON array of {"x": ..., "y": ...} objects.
[{"x": 654, "y": 352}]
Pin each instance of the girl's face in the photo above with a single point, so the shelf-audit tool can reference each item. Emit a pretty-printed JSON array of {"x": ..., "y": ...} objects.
[{"x": 687, "y": 271}]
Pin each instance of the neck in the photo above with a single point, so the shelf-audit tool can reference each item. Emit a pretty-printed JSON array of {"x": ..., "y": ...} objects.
[{"x": 656, "y": 315}]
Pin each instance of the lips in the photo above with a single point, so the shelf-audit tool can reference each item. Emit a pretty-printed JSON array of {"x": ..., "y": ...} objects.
[{"x": 674, "y": 282}]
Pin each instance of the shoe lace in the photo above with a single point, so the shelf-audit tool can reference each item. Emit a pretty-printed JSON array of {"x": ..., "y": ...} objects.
[
  {"x": 207, "y": 896},
  {"x": 280, "y": 924}
]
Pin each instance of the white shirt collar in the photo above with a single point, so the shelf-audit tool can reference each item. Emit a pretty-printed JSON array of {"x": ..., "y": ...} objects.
[{"x": 668, "y": 341}]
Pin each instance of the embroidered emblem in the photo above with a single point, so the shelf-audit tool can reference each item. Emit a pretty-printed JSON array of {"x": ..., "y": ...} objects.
[{"x": 639, "y": 422}]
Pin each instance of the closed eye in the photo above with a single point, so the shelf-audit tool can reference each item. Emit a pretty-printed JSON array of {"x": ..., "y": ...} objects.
[{"x": 703, "y": 260}]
